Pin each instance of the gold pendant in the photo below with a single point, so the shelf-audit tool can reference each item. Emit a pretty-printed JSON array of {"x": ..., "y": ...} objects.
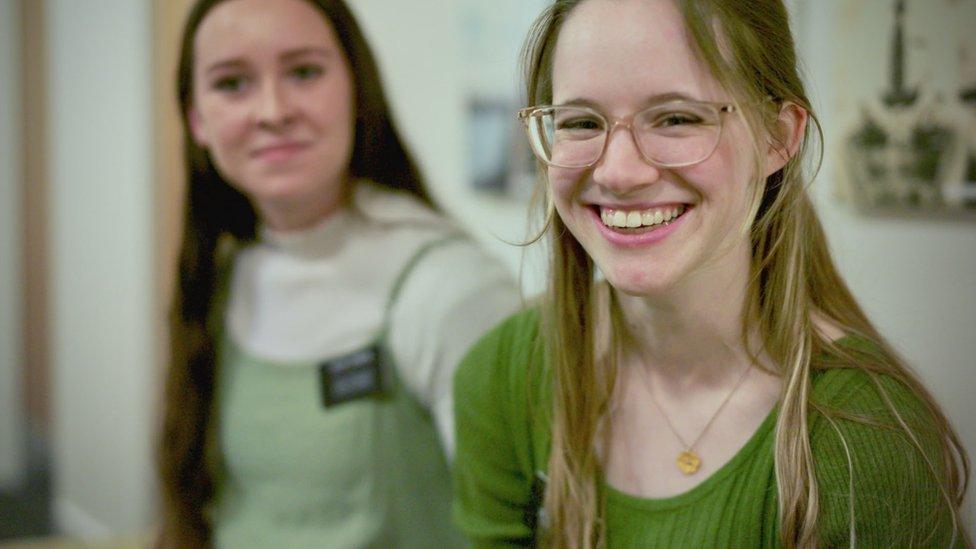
[{"x": 688, "y": 462}]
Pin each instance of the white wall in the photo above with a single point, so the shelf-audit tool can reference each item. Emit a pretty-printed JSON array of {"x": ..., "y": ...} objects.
[
  {"x": 915, "y": 278},
  {"x": 101, "y": 278},
  {"x": 420, "y": 53},
  {"x": 12, "y": 418}
]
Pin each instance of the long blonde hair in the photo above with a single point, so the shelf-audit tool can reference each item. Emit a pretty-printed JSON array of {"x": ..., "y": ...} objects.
[{"x": 749, "y": 49}]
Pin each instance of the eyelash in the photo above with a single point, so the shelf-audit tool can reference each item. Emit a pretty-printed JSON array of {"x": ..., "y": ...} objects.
[
  {"x": 578, "y": 124},
  {"x": 307, "y": 71},
  {"x": 229, "y": 84},
  {"x": 676, "y": 119}
]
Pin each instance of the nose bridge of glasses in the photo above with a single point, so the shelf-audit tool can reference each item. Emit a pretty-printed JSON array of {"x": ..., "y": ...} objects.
[
  {"x": 614, "y": 122},
  {"x": 625, "y": 122},
  {"x": 635, "y": 149}
]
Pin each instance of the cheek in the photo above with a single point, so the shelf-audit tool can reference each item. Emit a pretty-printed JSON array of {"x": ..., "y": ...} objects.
[
  {"x": 564, "y": 183},
  {"x": 226, "y": 126},
  {"x": 332, "y": 114},
  {"x": 726, "y": 175},
  {"x": 738, "y": 157},
  {"x": 335, "y": 104}
]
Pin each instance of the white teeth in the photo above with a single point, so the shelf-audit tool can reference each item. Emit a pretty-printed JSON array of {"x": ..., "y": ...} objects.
[
  {"x": 634, "y": 219},
  {"x": 619, "y": 219}
]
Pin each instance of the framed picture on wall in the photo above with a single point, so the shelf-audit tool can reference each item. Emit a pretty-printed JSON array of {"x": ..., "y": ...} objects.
[
  {"x": 499, "y": 157},
  {"x": 905, "y": 100}
]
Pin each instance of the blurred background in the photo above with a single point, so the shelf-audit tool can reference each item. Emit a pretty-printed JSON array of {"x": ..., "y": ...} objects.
[{"x": 90, "y": 197}]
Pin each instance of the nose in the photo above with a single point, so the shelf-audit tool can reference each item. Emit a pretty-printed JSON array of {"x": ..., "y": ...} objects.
[
  {"x": 273, "y": 109},
  {"x": 622, "y": 167}
]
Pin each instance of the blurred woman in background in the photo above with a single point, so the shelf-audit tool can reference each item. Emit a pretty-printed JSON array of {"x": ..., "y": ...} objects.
[{"x": 322, "y": 302}]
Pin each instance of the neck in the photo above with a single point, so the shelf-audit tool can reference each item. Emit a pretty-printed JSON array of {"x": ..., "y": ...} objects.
[
  {"x": 693, "y": 333},
  {"x": 294, "y": 214}
]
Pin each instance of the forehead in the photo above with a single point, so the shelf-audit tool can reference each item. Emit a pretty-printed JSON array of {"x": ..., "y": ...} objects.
[
  {"x": 620, "y": 53},
  {"x": 242, "y": 27}
]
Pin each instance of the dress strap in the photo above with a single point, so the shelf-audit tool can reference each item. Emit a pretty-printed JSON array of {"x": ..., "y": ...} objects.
[{"x": 405, "y": 274}]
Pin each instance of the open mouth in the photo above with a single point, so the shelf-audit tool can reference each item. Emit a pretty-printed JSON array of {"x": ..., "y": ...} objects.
[{"x": 640, "y": 221}]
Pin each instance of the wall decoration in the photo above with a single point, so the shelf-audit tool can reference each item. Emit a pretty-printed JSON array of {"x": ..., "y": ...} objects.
[
  {"x": 906, "y": 106},
  {"x": 499, "y": 157}
]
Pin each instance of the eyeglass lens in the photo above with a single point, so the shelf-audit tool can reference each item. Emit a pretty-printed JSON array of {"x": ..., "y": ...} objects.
[{"x": 671, "y": 134}]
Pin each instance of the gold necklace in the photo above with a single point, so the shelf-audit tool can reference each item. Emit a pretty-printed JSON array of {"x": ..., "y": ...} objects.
[{"x": 688, "y": 461}]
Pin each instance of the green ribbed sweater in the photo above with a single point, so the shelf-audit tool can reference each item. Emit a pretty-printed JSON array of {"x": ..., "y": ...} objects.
[{"x": 503, "y": 450}]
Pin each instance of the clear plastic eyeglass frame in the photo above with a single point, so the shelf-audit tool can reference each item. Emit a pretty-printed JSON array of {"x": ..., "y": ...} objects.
[{"x": 532, "y": 119}]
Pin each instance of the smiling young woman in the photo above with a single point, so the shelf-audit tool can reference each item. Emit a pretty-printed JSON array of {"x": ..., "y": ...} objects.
[
  {"x": 720, "y": 386},
  {"x": 322, "y": 303}
]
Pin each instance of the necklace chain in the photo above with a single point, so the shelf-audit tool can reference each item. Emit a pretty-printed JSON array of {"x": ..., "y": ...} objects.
[{"x": 688, "y": 461}]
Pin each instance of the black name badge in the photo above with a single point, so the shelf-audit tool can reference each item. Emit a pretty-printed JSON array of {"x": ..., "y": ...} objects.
[{"x": 356, "y": 375}]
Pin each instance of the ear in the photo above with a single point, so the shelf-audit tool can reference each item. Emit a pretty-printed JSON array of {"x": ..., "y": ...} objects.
[
  {"x": 197, "y": 128},
  {"x": 791, "y": 126}
]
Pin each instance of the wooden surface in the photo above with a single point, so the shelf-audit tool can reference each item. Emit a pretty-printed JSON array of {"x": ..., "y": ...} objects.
[{"x": 168, "y": 16}]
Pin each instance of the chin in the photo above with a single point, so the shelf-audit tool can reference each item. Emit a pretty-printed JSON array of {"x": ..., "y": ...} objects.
[
  {"x": 288, "y": 188},
  {"x": 639, "y": 282}
]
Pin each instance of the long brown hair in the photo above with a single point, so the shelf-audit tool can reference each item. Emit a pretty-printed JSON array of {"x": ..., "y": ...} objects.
[
  {"x": 749, "y": 48},
  {"x": 215, "y": 214}
]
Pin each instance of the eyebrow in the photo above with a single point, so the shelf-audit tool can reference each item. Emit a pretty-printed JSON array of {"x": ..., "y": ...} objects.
[
  {"x": 302, "y": 52},
  {"x": 649, "y": 101},
  {"x": 235, "y": 63}
]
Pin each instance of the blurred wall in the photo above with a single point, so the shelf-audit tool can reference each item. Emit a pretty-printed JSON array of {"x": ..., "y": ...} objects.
[
  {"x": 100, "y": 278},
  {"x": 13, "y": 455}
]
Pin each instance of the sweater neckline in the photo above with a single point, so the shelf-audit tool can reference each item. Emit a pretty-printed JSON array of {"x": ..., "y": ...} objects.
[
  {"x": 748, "y": 450},
  {"x": 370, "y": 205},
  {"x": 753, "y": 445},
  {"x": 308, "y": 240}
]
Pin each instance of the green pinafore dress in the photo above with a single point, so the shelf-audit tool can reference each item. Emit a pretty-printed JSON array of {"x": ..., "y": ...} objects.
[{"x": 309, "y": 458}]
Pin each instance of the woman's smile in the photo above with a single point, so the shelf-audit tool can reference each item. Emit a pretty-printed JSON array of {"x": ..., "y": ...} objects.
[
  {"x": 277, "y": 153},
  {"x": 636, "y": 226}
]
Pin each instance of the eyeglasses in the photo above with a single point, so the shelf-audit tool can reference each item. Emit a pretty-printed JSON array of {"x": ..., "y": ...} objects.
[{"x": 674, "y": 134}]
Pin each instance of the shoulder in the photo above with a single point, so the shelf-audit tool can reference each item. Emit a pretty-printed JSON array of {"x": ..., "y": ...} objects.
[
  {"x": 445, "y": 256},
  {"x": 458, "y": 260},
  {"x": 382, "y": 204},
  {"x": 858, "y": 389},
  {"x": 873, "y": 417},
  {"x": 881, "y": 407},
  {"x": 502, "y": 358},
  {"x": 451, "y": 283},
  {"x": 878, "y": 459},
  {"x": 504, "y": 372},
  {"x": 497, "y": 442}
]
